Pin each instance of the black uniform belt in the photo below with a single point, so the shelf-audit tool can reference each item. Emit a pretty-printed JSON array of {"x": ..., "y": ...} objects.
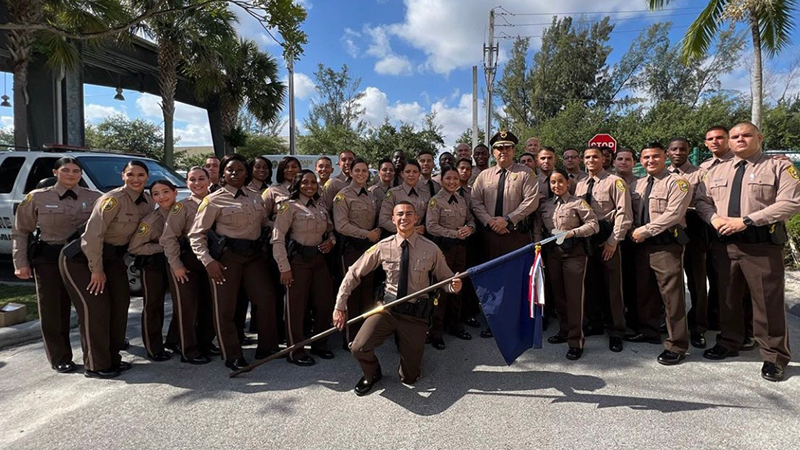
[
  {"x": 294, "y": 248},
  {"x": 766, "y": 234},
  {"x": 606, "y": 228},
  {"x": 446, "y": 243},
  {"x": 523, "y": 226},
  {"x": 243, "y": 247},
  {"x": 43, "y": 252},
  {"x": 422, "y": 308},
  {"x": 186, "y": 246},
  {"x": 675, "y": 235},
  {"x": 157, "y": 260},
  {"x": 357, "y": 243}
]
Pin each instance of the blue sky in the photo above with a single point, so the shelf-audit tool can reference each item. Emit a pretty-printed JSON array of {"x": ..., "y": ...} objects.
[{"x": 415, "y": 56}]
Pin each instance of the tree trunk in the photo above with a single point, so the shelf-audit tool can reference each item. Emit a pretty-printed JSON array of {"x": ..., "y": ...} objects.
[
  {"x": 756, "y": 88},
  {"x": 167, "y": 83},
  {"x": 20, "y": 45},
  {"x": 229, "y": 111}
]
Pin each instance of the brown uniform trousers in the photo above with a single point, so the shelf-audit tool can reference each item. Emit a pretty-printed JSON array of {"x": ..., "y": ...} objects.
[
  {"x": 53, "y": 298},
  {"x": 566, "y": 270},
  {"x": 155, "y": 283},
  {"x": 411, "y": 343},
  {"x": 447, "y": 315},
  {"x": 312, "y": 287},
  {"x": 362, "y": 298},
  {"x": 694, "y": 265},
  {"x": 192, "y": 306}
]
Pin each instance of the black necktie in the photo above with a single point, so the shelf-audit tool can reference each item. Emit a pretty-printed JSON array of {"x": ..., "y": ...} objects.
[
  {"x": 646, "y": 209},
  {"x": 715, "y": 162},
  {"x": 239, "y": 193},
  {"x": 412, "y": 192},
  {"x": 501, "y": 186},
  {"x": 453, "y": 199},
  {"x": 310, "y": 203},
  {"x": 402, "y": 286},
  {"x": 264, "y": 186},
  {"x": 677, "y": 171},
  {"x": 362, "y": 192},
  {"x": 735, "y": 203},
  {"x": 461, "y": 191},
  {"x": 588, "y": 195},
  {"x": 141, "y": 199},
  {"x": 68, "y": 193},
  {"x": 431, "y": 188}
]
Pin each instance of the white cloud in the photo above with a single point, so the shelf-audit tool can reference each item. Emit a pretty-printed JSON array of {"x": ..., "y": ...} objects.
[
  {"x": 93, "y": 112},
  {"x": 349, "y": 39},
  {"x": 380, "y": 46},
  {"x": 394, "y": 65},
  {"x": 375, "y": 104},
  {"x": 407, "y": 112},
  {"x": 7, "y": 123},
  {"x": 149, "y": 106},
  {"x": 194, "y": 135},
  {"x": 303, "y": 85}
]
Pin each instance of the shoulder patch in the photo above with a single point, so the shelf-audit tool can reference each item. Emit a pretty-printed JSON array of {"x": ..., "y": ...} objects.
[
  {"x": 327, "y": 183},
  {"x": 176, "y": 208},
  {"x": 29, "y": 197},
  {"x": 620, "y": 184},
  {"x": 203, "y": 205},
  {"x": 109, "y": 204},
  {"x": 683, "y": 185},
  {"x": 432, "y": 203},
  {"x": 791, "y": 169},
  {"x": 372, "y": 249},
  {"x": 514, "y": 176},
  {"x": 388, "y": 194},
  {"x": 282, "y": 207},
  {"x": 338, "y": 199},
  {"x": 585, "y": 204},
  {"x": 143, "y": 229},
  {"x": 705, "y": 177}
]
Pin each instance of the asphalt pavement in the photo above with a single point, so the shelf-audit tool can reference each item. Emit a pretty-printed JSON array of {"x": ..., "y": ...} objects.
[{"x": 467, "y": 398}]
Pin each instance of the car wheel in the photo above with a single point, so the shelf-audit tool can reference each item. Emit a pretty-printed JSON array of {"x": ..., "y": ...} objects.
[{"x": 134, "y": 276}]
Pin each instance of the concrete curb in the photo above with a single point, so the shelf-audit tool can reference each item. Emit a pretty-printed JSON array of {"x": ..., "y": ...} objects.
[{"x": 27, "y": 331}]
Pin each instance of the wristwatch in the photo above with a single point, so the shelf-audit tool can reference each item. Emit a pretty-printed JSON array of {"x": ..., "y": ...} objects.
[
  {"x": 748, "y": 221},
  {"x": 508, "y": 219}
]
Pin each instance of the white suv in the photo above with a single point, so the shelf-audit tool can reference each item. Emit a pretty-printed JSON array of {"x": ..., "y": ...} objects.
[{"x": 21, "y": 171}]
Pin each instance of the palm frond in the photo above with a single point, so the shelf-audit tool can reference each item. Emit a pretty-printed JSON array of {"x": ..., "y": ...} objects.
[
  {"x": 776, "y": 23},
  {"x": 701, "y": 32}
]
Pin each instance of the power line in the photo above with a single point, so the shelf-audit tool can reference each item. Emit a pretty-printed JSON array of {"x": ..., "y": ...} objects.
[
  {"x": 509, "y": 13},
  {"x": 509, "y": 24},
  {"x": 504, "y": 35}
]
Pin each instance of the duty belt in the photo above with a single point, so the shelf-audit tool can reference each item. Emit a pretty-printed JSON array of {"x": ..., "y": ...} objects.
[
  {"x": 446, "y": 243},
  {"x": 422, "y": 308},
  {"x": 766, "y": 234}
]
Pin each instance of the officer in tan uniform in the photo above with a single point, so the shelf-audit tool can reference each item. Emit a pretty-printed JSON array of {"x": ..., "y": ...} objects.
[
  {"x": 572, "y": 164},
  {"x": 694, "y": 260},
  {"x": 237, "y": 216},
  {"x": 57, "y": 212},
  {"x": 303, "y": 233},
  {"x": 261, "y": 168},
  {"x": 337, "y": 183},
  {"x": 449, "y": 222},
  {"x": 659, "y": 212},
  {"x": 410, "y": 190},
  {"x": 188, "y": 281},
  {"x": 624, "y": 161},
  {"x": 611, "y": 201},
  {"x": 748, "y": 199},
  {"x": 355, "y": 215},
  {"x": 502, "y": 198},
  {"x": 546, "y": 161},
  {"x": 279, "y": 191},
  {"x": 409, "y": 261},
  {"x": 95, "y": 275},
  {"x": 566, "y": 263},
  {"x": 426, "y": 164}
]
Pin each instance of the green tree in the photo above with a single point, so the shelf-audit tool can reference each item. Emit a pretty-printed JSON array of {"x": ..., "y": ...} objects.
[
  {"x": 781, "y": 127},
  {"x": 770, "y": 23},
  {"x": 515, "y": 88},
  {"x": 383, "y": 141},
  {"x": 184, "y": 161},
  {"x": 120, "y": 133},
  {"x": 466, "y": 137},
  {"x": 262, "y": 144}
]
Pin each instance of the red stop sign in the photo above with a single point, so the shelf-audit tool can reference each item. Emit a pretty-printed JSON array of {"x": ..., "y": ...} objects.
[{"x": 604, "y": 140}]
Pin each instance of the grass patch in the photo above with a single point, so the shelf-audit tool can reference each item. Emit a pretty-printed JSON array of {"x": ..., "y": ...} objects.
[{"x": 21, "y": 294}]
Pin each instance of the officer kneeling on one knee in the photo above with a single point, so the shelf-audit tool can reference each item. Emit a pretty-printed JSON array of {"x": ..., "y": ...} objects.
[{"x": 409, "y": 261}]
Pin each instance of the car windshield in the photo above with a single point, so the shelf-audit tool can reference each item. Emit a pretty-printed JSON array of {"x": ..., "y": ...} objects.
[{"x": 105, "y": 171}]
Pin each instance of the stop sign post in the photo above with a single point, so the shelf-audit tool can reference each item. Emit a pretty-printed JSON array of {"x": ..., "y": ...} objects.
[{"x": 604, "y": 140}]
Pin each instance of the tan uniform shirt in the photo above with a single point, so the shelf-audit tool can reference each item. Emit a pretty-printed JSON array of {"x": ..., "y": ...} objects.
[
  {"x": 355, "y": 211},
  {"x": 629, "y": 178},
  {"x": 520, "y": 198},
  {"x": 544, "y": 186},
  {"x": 446, "y": 214},
  {"x": 57, "y": 216},
  {"x": 418, "y": 196},
  {"x": 331, "y": 188},
  {"x": 432, "y": 183},
  {"x": 275, "y": 194},
  {"x": 693, "y": 174},
  {"x": 257, "y": 186},
  {"x": 713, "y": 161},
  {"x": 611, "y": 201},
  {"x": 574, "y": 178},
  {"x": 146, "y": 239},
  {"x": 424, "y": 258},
  {"x": 565, "y": 213},
  {"x": 114, "y": 220},
  {"x": 379, "y": 190},
  {"x": 239, "y": 217},
  {"x": 179, "y": 222},
  {"x": 669, "y": 200},
  {"x": 770, "y": 190},
  {"x": 303, "y": 220}
]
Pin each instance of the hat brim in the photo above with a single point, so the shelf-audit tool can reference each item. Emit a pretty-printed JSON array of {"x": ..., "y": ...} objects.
[{"x": 504, "y": 142}]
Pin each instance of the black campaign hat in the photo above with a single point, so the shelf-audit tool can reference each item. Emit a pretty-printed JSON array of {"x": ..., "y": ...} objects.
[{"x": 503, "y": 137}]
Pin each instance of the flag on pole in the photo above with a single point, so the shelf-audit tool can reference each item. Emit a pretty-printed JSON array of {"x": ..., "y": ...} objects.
[
  {"x": 536, "y": 296},
  {"x": 509, "y": 292}
]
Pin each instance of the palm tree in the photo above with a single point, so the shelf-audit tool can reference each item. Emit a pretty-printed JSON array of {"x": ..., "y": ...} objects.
[
  {"x": 243, "y": 77},
  {"x": 187, "y": 37},
  {"x": 770, "y": 22}
]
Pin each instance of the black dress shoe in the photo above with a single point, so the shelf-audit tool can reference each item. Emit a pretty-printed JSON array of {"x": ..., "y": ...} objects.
[
  {"x": 364, "y": 386},
  {"x": 65, "y": 367},
  {"x": 196, "y": 360},
  {"x": 487, "y": 333},
  {"x": 104, "y": 374},
  {"x": 123, "y": 366},
  {"x": 719, "y": 353},
  {"x": 557, "y": 339},
  {"x": 642, "y": 338},
  {"x": 324, "y": 354},
  {"x": 125, "y": 344},
  {"x": 463, "y": 335},
  {"x": 771, "y": 371},
  {"x": 574, "y": 353},
  {"x": 472, "y": 322},
  {"x": 303, "y": 361},
  {"x": 212, "y": 350},
  {"x": 615, "y": 344},
  {"x": 438, "y": 344},
  {"x": 174, "y": 347},
  {"x": 236, "y": 363},
  {"x": 591, "y": 330},
  {"x": 749, "y": 343},
  {"x": 249, "y": 341},
  {"x": 160, "y": 356},
  {"x": 698, "y": 340},
  {"x": 669, "y": 358}
]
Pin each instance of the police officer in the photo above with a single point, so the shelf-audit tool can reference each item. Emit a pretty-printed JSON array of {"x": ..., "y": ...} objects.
[
  {"x": 572, "y": 164},
  {"x": 566, "y": 263},
  {"x": 261, "y": 168},
  {"x": 383, "y": 182},
  {"x": 409, "y": 260},
  {"x": 279, "y": 191},
  {"x": 324, "y": 168},
  {"x": 481, "y": 156},
  {"x": 624, "y": 160},
  {"x": 337, "y": 183},
  {"x": 749, "y": 198},
  {"x": 450, "y": 222},
  {"x": 659, "y": 229},
  {"x": 412, "y": 190},
  {"x": 611, "y": 201},
  {"x": 399, "y": 162},
  {"x": 189, "y": 287},
  {"x": 546, "y": 161},
  {"x": 237, "y": 215},
  {"x": 355, "y": 215},
  {"x": 57, "y": 212},
  {"x": 95, "y": 274},
  {"x": 212, "y": 167},
  {"x": 502, "y": 198},
  {"x": 303, "y": 232},
  {"x": 425, "y": 160}
]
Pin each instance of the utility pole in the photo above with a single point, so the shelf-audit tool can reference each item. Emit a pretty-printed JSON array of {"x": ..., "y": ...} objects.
[
  {"x": 290, "y": 68},
  {"x": 490, "y": 53},
  {"x": 474, "y": 106}
]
